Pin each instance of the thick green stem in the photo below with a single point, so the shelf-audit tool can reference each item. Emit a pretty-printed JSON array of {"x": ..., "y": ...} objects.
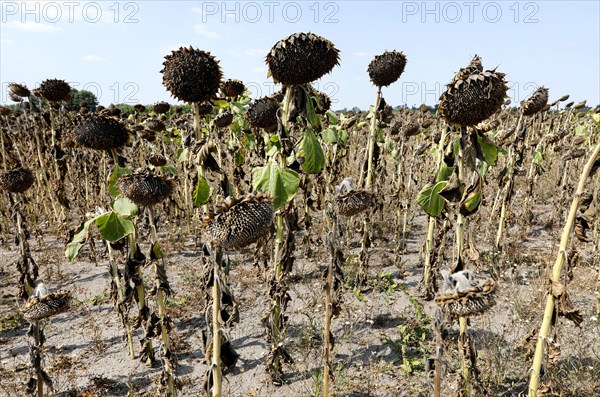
[{"x": 556, "y": 271}]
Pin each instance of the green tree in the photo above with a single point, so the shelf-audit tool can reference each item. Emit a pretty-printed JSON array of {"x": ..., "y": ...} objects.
[{"x": 79, "y": 96}]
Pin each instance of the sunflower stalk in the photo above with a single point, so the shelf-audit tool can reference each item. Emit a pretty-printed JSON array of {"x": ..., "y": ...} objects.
[
  {"x": 508, "y": 187},
  {"x": 197, "y": 128},
  {"x": 364, "y": 257},
  {"x": 328, "y": 305},
  {"x": 162, "y": 288},
  {"x": 3, "y": 151},
  {"x": 27, "y": 280},
  {"x": 431, "y": 225},
  {"x": 123, "y": 317},
  {"x": 216, "y": 366},
  {"x": 460, "y": 240},
  {"x": 276, "y": 310},
  {"x": 144, "y": 310},
  {"x": 35, "y": 354},
  {"x": 555, "y": 280}
]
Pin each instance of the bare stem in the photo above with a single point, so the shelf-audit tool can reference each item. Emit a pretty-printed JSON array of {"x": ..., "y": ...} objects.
[
  {"x": 508, "y": 186},
  {"x": 431, "y": 223},
  {"x": 556, "y": 271},
  {"x": 114, "y": 272},
  {"x": 162, "y": 311},
  {"x": 38, "y": 359},
  {"x": 460, "y": 240},
  {"x": 197, "y": 128},
  {"x": 216, "y": 344},
  {"x": 141, "y": 294},
  {"x": 372, "y": 139},
  {"x": 328, "y": 307}
]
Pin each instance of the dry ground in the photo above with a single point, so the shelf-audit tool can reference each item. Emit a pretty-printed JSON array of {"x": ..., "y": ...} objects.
[{"x": 383, "y": 336}]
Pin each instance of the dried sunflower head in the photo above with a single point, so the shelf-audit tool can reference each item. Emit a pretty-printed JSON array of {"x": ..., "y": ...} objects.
[
  {"x": 301, "y": 58},
  {"x": 146, "y": 188},
  {"x": 100, "y": 132},
  {"x": 232, "y": 88},
  {"x": 239, "y": 222},
  {"x": 473, "y": 95},
  {"x": 42, "y": 304},
  {"x": 411, "y": 129},
  {"x": 386, "y": 68},
  {"x": 155, "y": 125},
  {"x": 204, "y": 108},
  {"x": 19, "y": 90},
  {"x": 54, "y": 90},
  {"x": 161, "y": 107},
  {"x": 350, "y": 202},
  {"x": 191, "y": 75},
  {"x": 17, "y": 180},
  {"x": 224, "y": 119},
  {"x": 464, "y": 295},
  {"x": 262, "y": 113},
  {"x": 536, "y": 102}
]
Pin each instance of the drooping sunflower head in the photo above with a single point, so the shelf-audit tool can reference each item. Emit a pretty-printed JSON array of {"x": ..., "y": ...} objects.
[
  {"x": 54, "y": 90},
  {"x": 100, "y": 132},
  {"x": 262, "y": 113},
  {"x": 161, "y": 107},
  {"x": 536, "y": 102},
  {"x": 473, "y": 95},
  {"x": 146, "y": 188},
  {"x": 239, "y": 223},
  {"x": 191, "y": 75},
  {"x": 386, "y": 68},
  {"x": 301, "y": 58},
  {"x": 232, "y": 88},
  {"x": 19, "y": 90},
  {"x": 17, "y": 180}
]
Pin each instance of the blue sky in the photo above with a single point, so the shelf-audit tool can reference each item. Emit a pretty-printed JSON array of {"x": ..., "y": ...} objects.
[{"x": 116, "y": 49}]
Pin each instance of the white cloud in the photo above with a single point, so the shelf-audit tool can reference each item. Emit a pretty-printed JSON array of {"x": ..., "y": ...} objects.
[
  {"x": 260, "y": 70},
  {"x": 360, "y": 54},
  {"x": 31, "y": 26},
  {"x": 92, "y": 58},
  {"x": 203, "y": 31}
]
